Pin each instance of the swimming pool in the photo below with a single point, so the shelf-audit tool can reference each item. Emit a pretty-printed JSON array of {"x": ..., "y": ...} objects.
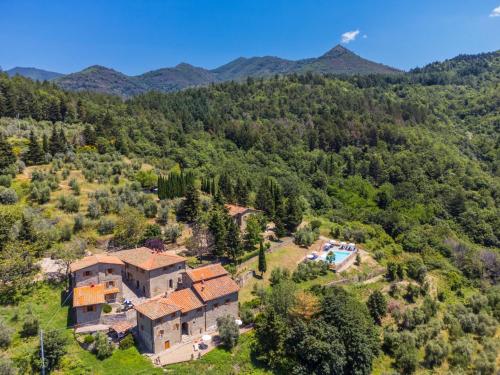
[{"x": 340, "y": 255}]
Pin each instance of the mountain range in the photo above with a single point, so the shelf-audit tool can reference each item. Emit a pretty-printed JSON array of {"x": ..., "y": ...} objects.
[{"x": 338, "y": 60}]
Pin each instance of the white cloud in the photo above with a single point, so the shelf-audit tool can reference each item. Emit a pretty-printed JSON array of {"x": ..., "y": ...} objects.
[
  {"x": 349, "y": 36},
  {"x": 495, "y": 12}
]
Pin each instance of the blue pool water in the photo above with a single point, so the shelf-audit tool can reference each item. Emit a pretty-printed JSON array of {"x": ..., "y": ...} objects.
[{"x": 340, "y": 255}]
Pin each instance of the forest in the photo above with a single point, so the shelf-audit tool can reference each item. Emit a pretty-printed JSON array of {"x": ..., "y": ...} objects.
[{"x": 406, "y": 164}]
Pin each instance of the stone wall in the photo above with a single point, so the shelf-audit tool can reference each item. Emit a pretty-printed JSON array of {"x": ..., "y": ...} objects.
[
  {"x": 145, "y": 331},
  {"x": 223, "y": 306},
  {"x": 166, "y": 279},
  {"x": 155, "y": 282},
  {"x": 84, "y": 317},
  {"x": 195, "y": 321},
  {"x": 165, "y": 329},
  {"x": 99, "y": 275}
]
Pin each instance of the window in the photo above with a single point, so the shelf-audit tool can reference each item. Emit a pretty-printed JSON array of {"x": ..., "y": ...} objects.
[
  {"x": 161, "y": 332},
  {"x": 179, "y": 280},
  {"x": 227, "y": 301},
  {"x": 87, "y": 273},
  {"x": 170, "y": 283},
  {"x": 109, "y": 271},
  {"x": 110, "y": 284},
  {"x": 176, "y": 326},
  {"x": 216, "y": 305},
  {"x": 90, "y": 308}
]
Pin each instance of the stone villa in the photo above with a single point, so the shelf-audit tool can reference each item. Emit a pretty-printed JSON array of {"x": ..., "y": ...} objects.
[
  {"x": 240, "y": 214},
  {"x": 181, "y": 302}
]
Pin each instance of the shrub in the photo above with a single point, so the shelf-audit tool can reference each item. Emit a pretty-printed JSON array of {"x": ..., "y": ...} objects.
[
  {"x": 461, "y": 353},
  {"x": 247, "y": 316},
  {"x": 54, "y": 345},
  {"x": 30, "y": 326},
  {"x": 305, "y": 236},
  {"x": 228, "y": 331},
  {"x": 5, "y": 180},
  {"x": 106, "y": 226},
  {"x": 127, "y": 342},
  {"x": 69, "y": 203},
  {"x": 412, "y": 293},
  {"x": 6, "y": 366},
  {"x": 172, "y": 233},
  {"x": 162, "y": 217},
  {"x": 5, "y": 335},
  {"x": 88, "y": 339},
  {"x": 405, "y": 354},
  {"x": 150, "y": 209},
  {"x": 65, "y": 233},
  {"x": 78, "y": 224},
  {"x": 93, "y": 210},
  {"x": 278, "y": 274},
  {"x": 7, "y": 196},
  {"x": 436, "y": 352},
  {"x": 106, "y": 308},
  {"x": 73, "y": 183},
  {"x": 377, "y": 305},
  {"x": 416, "y": 269},
  {"x": 102, "y": 348}
]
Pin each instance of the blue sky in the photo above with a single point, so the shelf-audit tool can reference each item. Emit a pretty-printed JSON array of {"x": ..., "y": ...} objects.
[{"x": 137, "y": 36}]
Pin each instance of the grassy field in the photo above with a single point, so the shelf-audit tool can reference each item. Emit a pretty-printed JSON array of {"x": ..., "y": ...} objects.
[
  {"x": 284, "y": 257},
  {"x": 45, "y": 303},
  {"x": 222, "y": 362}
]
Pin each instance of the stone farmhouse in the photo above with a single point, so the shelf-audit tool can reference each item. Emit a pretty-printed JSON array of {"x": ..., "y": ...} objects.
[
  {"x": 209, "y": 293},
  {"x": 181, "y": 302},
  {"x": 240, "y": 214},
  {"x": 95, "y": 280}
]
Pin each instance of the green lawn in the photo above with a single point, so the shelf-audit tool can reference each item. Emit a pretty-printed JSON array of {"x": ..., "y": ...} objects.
[
  {"x": 45, "y": 303},
  {"x": 222, "y": 362}
]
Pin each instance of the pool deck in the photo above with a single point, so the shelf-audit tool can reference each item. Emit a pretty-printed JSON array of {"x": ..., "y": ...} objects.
[{"x": 345, "y": 263}]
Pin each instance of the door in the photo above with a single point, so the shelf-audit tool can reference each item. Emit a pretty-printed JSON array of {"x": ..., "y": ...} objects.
[{"x": 167, "y": 344}]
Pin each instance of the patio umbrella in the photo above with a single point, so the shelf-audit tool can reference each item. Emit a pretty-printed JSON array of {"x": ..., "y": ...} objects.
[
  {"x": 238, "y": 322},
  {"x": 206, "y": 337}
]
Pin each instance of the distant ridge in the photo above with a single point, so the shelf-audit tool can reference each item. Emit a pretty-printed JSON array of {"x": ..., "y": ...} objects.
[
  {"x": 33, "y": 73},
  {"x": 338, "y": 60}
]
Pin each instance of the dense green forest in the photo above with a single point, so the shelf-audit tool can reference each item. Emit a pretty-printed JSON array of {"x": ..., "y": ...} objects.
[{"x": 407, "y": 164}]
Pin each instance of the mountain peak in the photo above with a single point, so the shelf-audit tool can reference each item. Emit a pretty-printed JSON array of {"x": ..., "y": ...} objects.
[{"x": 338, "y": 51}]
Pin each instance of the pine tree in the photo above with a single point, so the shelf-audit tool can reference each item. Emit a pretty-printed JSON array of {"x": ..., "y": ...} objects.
[
  {"x": 34, "y": 155},
  {"x": 217, "y": 227},
  {"x": 7, "y": 156},
  {"x": 54, "y": 147},
  {"x": 62, "y": 141},
  {"x": 89, "y": 135},
  {"x": 233, "y": 240},
  {"x": 226, "y": 187},
  {"x": 45, "y": 144},
  {"x": 262, "y": 259},
  {"x": 264, "y": 199},
  {"x": 293, "y": 214}
]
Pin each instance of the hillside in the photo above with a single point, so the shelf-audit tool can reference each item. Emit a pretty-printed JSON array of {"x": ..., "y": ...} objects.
[
  {"x": 406, "y": 166},
  {"x": 33, "y": 73},
  {"x": 338, "y": 60}
]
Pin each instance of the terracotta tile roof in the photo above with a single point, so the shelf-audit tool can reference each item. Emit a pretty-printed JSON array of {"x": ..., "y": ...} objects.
[
  {"x": 148, "y": 259},
  {"x": 156, "y": 308},
  {"x": 111, "y": 290},
  {"x": 185, "y": 299},
  {"x": 206, "y": 272},
  {"x": 88, "y": 295},
  {"x": 235, "y": 209},
  {"x": 122, "y": 326},
  {"x": 215, "y": 288},
  {"x": 94, "y": 259}
]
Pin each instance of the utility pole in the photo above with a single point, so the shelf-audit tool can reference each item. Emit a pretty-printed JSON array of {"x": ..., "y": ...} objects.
[{"x": 41, "y": 352}]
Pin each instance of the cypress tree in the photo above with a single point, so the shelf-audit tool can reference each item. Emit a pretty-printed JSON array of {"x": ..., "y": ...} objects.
[
  {"x": 192, "y": 204},
  {"x": 7, "y": 156},
  {"x": 217, "y": 227},
  {"x": 262, "y": 259},
  {"x": 34, "y": 155}
]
